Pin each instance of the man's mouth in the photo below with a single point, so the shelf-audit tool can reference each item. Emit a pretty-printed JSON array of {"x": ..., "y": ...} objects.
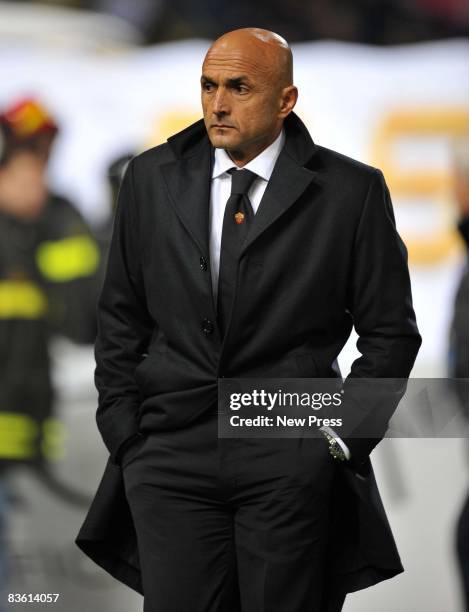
[{"x": 221, "y": 125}]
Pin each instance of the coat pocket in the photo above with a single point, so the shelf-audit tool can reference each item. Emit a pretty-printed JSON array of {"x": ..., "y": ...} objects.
[
  {"x": 130, "y": 452},
  {"x": 360, "y": 480},
  {"x": 147, "y": 368}
]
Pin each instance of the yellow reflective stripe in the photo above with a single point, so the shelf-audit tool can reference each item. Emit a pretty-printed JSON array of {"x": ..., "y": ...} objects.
[
  {"x": 68, "y": 258},
  {"x": 53, "y": 440},
  {"x": 18, "y": 433},
  {"x": 21, "y": 299}
]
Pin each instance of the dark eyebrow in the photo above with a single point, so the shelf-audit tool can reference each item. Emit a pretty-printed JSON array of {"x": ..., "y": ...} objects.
[{"x": 234, "y": 82}]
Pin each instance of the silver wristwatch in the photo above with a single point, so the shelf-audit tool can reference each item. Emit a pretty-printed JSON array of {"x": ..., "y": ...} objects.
[{"x": 334, "y": 447}]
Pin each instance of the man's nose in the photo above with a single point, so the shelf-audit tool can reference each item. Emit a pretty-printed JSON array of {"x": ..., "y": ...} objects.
[{"x": 220, "y": 102}]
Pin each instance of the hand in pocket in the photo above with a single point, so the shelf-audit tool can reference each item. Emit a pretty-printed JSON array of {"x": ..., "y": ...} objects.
[{"x": 131, "y": 450}]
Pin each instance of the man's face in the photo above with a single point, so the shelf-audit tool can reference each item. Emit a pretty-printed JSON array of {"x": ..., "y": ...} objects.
[
  {"x": 240, "y": 100},
  {"x": 23, "y": 188}
]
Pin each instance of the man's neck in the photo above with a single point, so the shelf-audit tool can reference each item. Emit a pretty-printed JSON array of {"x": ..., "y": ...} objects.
[{"x": 241, "y": 158}]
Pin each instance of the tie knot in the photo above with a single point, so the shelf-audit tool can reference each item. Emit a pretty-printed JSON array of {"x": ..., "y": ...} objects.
[{"x": 241, "y": 180}]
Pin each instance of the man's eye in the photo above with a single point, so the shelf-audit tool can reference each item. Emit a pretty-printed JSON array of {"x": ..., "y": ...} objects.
[{"x": 241, "y": 88}]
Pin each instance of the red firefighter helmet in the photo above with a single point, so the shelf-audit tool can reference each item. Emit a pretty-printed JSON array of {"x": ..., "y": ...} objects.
[{"x": 26, "y": 124}]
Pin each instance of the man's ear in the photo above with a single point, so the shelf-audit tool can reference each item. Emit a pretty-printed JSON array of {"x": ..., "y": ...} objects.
[{"x": 288, "y": 100}]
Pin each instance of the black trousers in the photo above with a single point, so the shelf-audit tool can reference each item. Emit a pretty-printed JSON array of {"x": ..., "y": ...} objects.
[{"x": 229, "y": 525}]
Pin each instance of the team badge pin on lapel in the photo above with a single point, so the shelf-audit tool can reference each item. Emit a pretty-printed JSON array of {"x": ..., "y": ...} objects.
[{"x": 239, "y": 218}]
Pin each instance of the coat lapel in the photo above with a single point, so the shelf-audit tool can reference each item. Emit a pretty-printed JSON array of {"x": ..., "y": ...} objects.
[
  {"x": 288, "y": 181},
  {"x": 294, "y": 171},
  {"x": 188, "y": 181}
]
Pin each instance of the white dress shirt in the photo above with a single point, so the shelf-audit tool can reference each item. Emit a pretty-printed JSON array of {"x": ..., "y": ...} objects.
[{"x": 262, "y": 165}]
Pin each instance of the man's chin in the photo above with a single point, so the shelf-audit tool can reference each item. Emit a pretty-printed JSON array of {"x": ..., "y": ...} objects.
[{"x": 222, "y": 141}]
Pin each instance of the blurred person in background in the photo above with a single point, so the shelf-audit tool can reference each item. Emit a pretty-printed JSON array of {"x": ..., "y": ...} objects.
[
  {"x": 459, "y": 339},
  {"x": 49, "y": 279}
]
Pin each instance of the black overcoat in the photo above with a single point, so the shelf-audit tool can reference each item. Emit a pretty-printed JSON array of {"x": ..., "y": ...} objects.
[{"x": 322, "y": 255}]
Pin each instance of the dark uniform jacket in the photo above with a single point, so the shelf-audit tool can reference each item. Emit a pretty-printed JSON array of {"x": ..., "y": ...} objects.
[
  {"x": 49, "y": 282},
  {"x": 322, "y": 255}
]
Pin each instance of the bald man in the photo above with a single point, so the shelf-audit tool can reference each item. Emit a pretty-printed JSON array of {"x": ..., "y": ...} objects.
[{"x": 242, "y": 249}]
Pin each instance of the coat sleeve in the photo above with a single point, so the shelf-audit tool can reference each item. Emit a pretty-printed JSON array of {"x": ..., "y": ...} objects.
[
  {"x": 124, "y": 327},
  {"x": 380, "y": 302}
]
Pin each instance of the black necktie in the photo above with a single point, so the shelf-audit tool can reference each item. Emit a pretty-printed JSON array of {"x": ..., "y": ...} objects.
[{"x": 236, "y": 221}]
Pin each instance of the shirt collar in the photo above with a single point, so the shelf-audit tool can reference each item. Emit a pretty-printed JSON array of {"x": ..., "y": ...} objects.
[{"x": 262, "y": 165}]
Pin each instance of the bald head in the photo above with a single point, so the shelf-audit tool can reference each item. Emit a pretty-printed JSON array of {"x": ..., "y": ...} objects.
[
  {"x": 266, "y": 50},
  {"x": 247, "y": 91}
]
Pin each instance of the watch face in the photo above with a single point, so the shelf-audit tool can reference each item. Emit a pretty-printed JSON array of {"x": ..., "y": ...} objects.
[
  {"x": 336, "y": 450},
  {"x": 340, "y": 455}
]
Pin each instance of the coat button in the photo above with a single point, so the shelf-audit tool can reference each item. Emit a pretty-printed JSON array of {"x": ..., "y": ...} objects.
[
  {"x": 207, "y": 326},
  {"x": 203, "y": 263}
]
